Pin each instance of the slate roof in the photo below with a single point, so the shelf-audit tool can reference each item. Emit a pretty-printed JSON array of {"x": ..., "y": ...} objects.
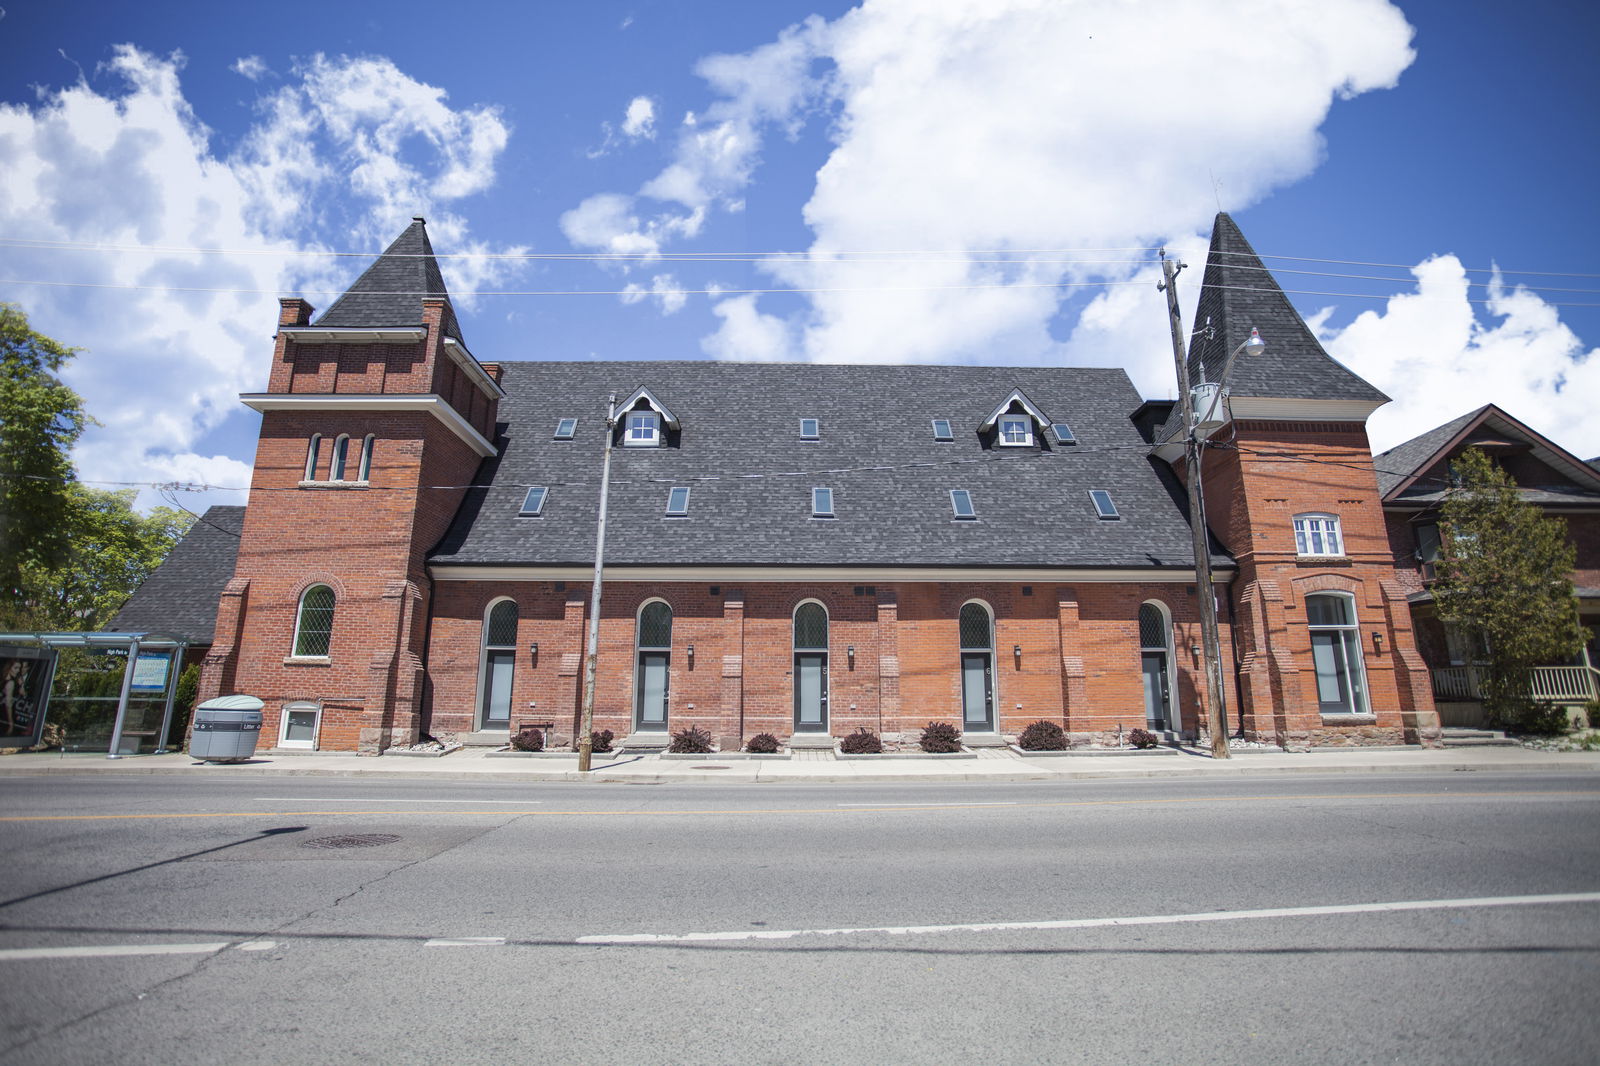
[
  {"x": 390, "y": 291},
  {"x": 180, "y": 598},
  {"x": 891, "y": 480},
  {"x": 1430, "y": 450}
]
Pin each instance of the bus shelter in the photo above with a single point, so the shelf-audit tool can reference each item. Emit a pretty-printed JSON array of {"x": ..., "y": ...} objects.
[{"x": 104, "y": 691}]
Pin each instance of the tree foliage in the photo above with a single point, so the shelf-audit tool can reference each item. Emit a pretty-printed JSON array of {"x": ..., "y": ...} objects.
[
  {"x": 40, "y": 420},
  {"x": 1505, "y": 583}
]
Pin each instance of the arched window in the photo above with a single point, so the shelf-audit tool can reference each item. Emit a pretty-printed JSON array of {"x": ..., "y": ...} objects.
[
  {"x": 976, "y": 625},
  {"x": 652, "y": 659},
  {"x": 341, "y": 457},
  {"x": 366, "y": 460},
  {"x": 1156, "y": 668},
  {"x": 1336, "y": 653},
  {"x": 811, "y": 668},
  {"x": 499, "y": 663},
  {"x": 313, "y": 456},
  {"x": 313, "y": 629}
]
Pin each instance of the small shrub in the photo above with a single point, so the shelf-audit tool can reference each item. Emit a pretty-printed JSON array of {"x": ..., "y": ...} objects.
[
  {"x": 862, "y": 742},
  {"x": 1143, "y": 739},
  {"x": 1541, "y": 720},
  {"x": 528, "y": 740},
  {"x": 600, "y": 740},
  {"x": 940, "y": 738},
  {"x": 762, "y": 744},
  {"x": 691, "y": 741},
  {"x": 1043, "y": 736}
]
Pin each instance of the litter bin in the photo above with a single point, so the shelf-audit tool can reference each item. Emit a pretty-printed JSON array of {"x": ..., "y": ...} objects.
[{"x": 226, "y": 728}]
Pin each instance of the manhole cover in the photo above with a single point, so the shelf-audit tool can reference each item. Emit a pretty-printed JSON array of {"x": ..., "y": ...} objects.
[
  {"x": 711, "y": 768},
  {"x": 356, "y": 840}
]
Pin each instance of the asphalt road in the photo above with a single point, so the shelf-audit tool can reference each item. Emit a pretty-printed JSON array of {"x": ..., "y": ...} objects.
[{"x": 1422, "y": 919}]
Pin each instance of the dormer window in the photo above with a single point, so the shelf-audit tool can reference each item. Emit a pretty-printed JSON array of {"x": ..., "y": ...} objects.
[
  {"x": 566, "y": 429},
  {"x": 810, "y": 429},
  {"x": 1015, "y": 431},
  {"x": 642, "y": 429}
]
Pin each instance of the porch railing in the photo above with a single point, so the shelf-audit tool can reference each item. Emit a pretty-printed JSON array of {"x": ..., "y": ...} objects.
[{"x": 1550, "y": 684}]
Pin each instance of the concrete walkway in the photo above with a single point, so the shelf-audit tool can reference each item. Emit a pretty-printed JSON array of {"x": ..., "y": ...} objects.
[{"x": 997, "y": 765}]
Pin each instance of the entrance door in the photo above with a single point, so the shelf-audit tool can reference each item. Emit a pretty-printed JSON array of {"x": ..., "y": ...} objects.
[
  {"x": 497, "y": 688},
  {"x": 1155, "y": 688},
  {"x": 651, "y": 713},
  {"x": 810, "y": 692},
  {"x": 977, "y": 691}
]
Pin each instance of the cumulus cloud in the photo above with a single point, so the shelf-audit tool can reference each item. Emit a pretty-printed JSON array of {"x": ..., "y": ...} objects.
[
  {"x": 340, "y": 156},
  {"x": 252, "y": 67},
  {"x": 640, "y": 119},
  {"x": 670, "y": 297},
  {"x": 1441, "y": 355},
  {"x": 1091, "y": 128}
]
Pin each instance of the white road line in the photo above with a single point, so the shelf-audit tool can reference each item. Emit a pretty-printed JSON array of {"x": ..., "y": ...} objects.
[
  {"x": 258, "y": 945},
  {"x": 367, "y": 799},
  {"x": 108, "y": 951},
  {"x": 954, "y": 803},
  {"x": 465, "y": 942},
  {"x": 1093, "y": 923}
]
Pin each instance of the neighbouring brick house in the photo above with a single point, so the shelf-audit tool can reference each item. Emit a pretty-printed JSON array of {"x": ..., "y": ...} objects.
[
  {"x": 802, "y": 549},
  {"x": 1414, "y": 478}
]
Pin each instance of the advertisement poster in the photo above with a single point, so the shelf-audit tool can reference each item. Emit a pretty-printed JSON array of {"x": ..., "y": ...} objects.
[{"x": 24, "y": 672}]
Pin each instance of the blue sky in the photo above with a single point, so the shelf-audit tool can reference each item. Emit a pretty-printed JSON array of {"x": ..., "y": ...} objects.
[{"x": 975, "y": 159}]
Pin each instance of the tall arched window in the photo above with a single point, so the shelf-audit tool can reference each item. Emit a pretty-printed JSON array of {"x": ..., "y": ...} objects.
[
  {"x": 977, "y": 667},
  {"x": 313, "y": 627},
  {"x": 811, "y": 668},
  {"x": 341, "y": 457},
  {"x": 1155, "y": 663},
  {"x": 313, "y": 456},
  {"x": 653, "y": 658},
  {"x": 499, "y": 663},
  {"x": 365, "y": 473},
  {"x": 1336, "y": 653}
]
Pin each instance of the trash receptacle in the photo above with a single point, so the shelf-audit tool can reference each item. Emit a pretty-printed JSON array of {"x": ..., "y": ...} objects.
[{"x": 226, "y": 729}]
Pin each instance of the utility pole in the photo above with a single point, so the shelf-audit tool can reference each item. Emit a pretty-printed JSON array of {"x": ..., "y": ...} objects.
[
  {"x": 1216, "y": 709},
  {"x": 586, "y": 720}
]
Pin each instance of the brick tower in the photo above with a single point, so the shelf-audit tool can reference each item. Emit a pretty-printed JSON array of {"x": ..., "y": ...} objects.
[
  {"x": 1325, "y": 652},
  {"x": 374, "y": 420}
]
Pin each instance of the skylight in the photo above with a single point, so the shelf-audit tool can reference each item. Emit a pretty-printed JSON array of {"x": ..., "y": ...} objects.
[
  {"x": 941, "y": 429},
  {"x": 566, "y": 428},
  {"x": 1102, "y": 503},
  {"x": 961, "y": 504},
  {"x": 810, "y": 429},
  {"x": 821, "y": 503},
  {"x": 533, "y": 503},
  {"x": 1063, "y": 433},
  {"x": 678, "y": 500}
]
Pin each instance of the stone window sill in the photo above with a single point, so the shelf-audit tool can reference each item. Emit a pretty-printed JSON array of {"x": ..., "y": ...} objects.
[
  {"x": 307, "y": 660},
  {"x": 335, "y": 484},
  {"x": 1324, "y": 560},
  {"x": 1349, "y": 719}
]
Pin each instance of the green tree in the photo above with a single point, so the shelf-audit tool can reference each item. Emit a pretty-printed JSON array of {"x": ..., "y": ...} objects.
[
  {"x": 111, "y": 550},
  {"x": 1505, "y": 583},
  {"x": 40, "y": 420}
]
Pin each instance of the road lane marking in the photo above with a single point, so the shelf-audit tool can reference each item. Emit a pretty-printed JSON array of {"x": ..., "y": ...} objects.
[
  {"x": 108, "y": 951},
  {"x": 1095, "y": 923},
  {"x": 368, "y": 799},
  {"x": 941, "y": 806},
  {"x": 465, "y": 942},
  {"x": 887, "y": 807},
  {"x": 258, "y": 945}
]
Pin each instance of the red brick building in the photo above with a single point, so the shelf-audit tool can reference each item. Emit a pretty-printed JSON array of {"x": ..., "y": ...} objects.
[{"x": 802, "y": 550}]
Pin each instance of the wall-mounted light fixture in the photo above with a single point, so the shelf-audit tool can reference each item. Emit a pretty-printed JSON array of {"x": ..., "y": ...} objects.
[
  {"x": 1377, "y": 643},
  {"x": 533, "y": 654},
  {"x": 1016, "y": 653},
  {"x": 691, "y": 656},
  {"x": 850, "y": 654},
  {"x": 1194, "y": 650}
]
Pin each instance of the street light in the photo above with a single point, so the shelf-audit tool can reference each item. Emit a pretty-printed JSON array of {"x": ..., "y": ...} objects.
[{"x": 1216, "y": 727}]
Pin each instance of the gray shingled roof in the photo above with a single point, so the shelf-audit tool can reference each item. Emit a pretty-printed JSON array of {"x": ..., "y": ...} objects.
[
  {"x": 180, "y": 598},
  {"x": 1400, "y": 462},
  {"x": 742, "y": 419},
  {"x": 390, "y": 291},
  {"x": 1427, "y": 454}
]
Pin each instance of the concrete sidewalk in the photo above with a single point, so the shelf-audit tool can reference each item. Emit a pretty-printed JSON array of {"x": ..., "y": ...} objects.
[{"x": 995, "y": 765}]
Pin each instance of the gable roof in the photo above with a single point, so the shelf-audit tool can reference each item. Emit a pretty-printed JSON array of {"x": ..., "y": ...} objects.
[
  {"x": 752, "y": 477},
  {"x": 1019, "y": 398},
  {"x": 181, "y": 596},
  {"x": 1401, "y": 469},
  {"x": 390, "y": 291},
  {"x": 652, "y": 402}
]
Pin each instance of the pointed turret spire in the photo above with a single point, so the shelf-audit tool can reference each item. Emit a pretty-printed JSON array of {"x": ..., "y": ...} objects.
[
  {"x": 390, "y": 292},
  {"x": 1238, "y": 293}
]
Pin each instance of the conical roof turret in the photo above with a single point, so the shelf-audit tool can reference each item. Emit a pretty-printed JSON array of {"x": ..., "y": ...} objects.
[{"x": 390, "y": 292}]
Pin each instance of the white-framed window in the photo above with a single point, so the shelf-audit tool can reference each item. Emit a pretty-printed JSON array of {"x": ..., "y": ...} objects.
[
  {"x": 1336, "y": 653},
  {"x": 341, "y": 458},
  {"x": 364, "y": 473},
  {"x": 298, "y": 726},
  {"x": 1104, "y": 506},
  {"x": 678, "y": 501},
  {"x": 941, "y": 429},
  {"x": 1015, "y": 431},
  {"x": 533, "y": 502},
  {"x": 641, "y": 429},
  {"x": 313, "y": 456},
  {"x": 566, "y": 429},
  {"x": 961, "y": 504},
  {"x": 821, "y": 503},
  {"x": 313, "y": 623},
  {"x": 810, "y": 429},
  {"x": 1317, "y": 534}
]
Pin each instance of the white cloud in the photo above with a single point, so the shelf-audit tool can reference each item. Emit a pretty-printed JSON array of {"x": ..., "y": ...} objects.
[
  {"x": 1439, "y": 356},
  {"x": 252, "y": 67},
  {"x": 640, "y": 119},
  {"x": 979, "y": 125},
  {"x": 347, "y": 151},
  {"x": 669, "y": 295},
  {"x": 748, "y": 335}
]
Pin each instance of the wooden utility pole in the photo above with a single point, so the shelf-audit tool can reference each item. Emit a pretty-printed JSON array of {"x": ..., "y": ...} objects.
[
  {"x": 1210, "y": 640},
  {"x": 586, "y": 720}
]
